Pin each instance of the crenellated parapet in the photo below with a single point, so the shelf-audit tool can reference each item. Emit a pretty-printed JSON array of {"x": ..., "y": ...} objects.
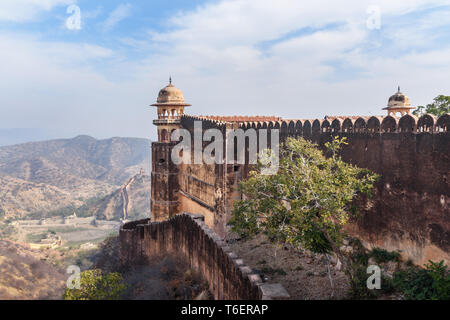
[
  {"x": 186, "y": 235},
  {"x": 336, "y": 124}
]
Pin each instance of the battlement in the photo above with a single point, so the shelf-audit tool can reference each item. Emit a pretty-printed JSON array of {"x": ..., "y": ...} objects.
[
  {"x": 187, "y": 235},
  {"x": 357, "y": 124},
  {"x": 238, "y": 118}
]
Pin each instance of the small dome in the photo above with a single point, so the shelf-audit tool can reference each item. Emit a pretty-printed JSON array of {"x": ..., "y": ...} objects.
[
  {"x": 170, "y": 95},
  {"x": 399, "y": 100}
]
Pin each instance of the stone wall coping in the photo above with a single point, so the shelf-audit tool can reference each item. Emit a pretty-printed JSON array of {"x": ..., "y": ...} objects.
[
  {"x": 427, "y": 123},
  {"x": 266, "y": 291}
]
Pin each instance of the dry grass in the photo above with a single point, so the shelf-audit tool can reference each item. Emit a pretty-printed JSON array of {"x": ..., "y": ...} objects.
[
  {"x": 25, "y": 276},
  {"x": 303, "y": 275}
]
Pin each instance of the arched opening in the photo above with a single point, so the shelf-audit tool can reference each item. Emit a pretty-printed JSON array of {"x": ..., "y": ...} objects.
[
  {"x": 389, "y": 124},
  {"x": 164, "y": 135},
  {"x": 336, "y": 125},
  {"x": 407, "y": 123},
  {"x": 426, "y": 123},
  {"x": 360, "y": 125},
  {"x": 373, "y": 125},
  {"x": 347, "y": 126}
]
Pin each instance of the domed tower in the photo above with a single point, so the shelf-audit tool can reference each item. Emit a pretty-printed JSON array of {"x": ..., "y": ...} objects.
[
  {"x": 165, "y": 185},
  {"x": 398, "y": 103},
  {"x": 170, "y": 104}
]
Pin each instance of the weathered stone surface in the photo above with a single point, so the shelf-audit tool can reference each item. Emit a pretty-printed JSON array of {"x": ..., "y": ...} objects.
[
  {"x": 273, "y": 292},
  {"x": 409, "y": 211},
  {"x": 226, "y": 274}
]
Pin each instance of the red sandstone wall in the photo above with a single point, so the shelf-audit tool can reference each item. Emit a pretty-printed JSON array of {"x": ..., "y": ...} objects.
[
  {"x": 410, "y": 209},
  {"x": 165, "y": 178},
  {"x": 187, "y": 234}
]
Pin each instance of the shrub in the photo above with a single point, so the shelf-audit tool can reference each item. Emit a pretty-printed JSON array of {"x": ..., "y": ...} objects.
[
  {"x": 96, "y": 286},
  {"x": 431, "y": 283},
  {"x": 381, "y": 255}
]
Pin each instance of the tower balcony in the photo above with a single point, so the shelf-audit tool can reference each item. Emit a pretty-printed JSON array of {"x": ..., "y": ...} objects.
[{"x": 166, "y": 120}]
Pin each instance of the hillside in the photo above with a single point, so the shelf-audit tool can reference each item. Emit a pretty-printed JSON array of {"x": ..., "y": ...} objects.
[
  {"x": 27, "y": 275},
  {"x": 41, "y": 177},
  {"x": 130, "y": 202}
]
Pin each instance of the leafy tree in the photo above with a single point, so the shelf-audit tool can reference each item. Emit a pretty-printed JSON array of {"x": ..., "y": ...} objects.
[
  {"x": 308, "y": 202},
  {"x": 440, "y": 106},
  {"x": 96, "y": 286}
]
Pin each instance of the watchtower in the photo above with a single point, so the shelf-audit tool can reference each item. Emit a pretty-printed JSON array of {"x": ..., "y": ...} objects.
[{"x": 165, "y": 185}]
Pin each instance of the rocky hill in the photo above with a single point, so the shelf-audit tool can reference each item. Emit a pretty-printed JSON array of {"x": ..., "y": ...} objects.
[
  {"x": 39, "y": 178},
  {"x": 27, "y": 275},
  {"x": 130, "y": 202}
]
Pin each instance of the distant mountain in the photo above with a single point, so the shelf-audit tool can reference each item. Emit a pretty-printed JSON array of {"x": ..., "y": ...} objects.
[
  {"x": 41, "y": 177},
  {"x": 129, "y": 202}
]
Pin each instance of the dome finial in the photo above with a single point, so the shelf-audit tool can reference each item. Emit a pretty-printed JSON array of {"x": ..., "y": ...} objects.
[
  {"x": 170, "y": 80},
  {"x": 398, "y": 88}
]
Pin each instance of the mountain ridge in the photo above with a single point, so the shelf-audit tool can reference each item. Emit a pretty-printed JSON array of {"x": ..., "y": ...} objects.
[{"x": 61, "y": 173}]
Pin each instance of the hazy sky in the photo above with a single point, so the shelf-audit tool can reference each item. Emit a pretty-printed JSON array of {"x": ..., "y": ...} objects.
[{"x": 292, "y": 58}]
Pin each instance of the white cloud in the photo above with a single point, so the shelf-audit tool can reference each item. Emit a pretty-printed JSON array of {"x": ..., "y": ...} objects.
[
  {"x": 305, "y": 68},
  {"x": 24, "y": 10},
  {"x": 217, "y": 44},
  {"x": 122, "y": 12}
]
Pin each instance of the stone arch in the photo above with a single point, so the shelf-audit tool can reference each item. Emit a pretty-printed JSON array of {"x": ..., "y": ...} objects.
[
  {"x": 443, "y": 123},
  {"x": 347, "y": 125},
  {"x": 283, "y": 130},
  {"x": 291, "y": 129},
  {"x": 360, "y": 125},
  {"x": 326, "y": 126},
  {"x": 389, "y": 124},
  {"x": 426, "y": 123},
  {"x": 298, "y": 128},
  {"x": 164, "y": 135},
  {"x": 407, "y": 123},
  {"x": 336, "y": 125},
  {"x": 307, "y": 129},
  {"x": 374, "y": 124},
  {"x": 316, "y": 126}
]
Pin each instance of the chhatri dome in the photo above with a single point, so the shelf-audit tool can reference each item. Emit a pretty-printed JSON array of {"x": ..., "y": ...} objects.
[
  {"x": 170, "y": 96},
  {"x": 170, "y": 104},
  {"x": 398, "y": 102}
]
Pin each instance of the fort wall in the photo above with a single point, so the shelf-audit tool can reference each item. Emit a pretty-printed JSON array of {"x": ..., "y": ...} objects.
[
  {"x": 410, "y": 208},
  {"x": 141, "y": 242}
]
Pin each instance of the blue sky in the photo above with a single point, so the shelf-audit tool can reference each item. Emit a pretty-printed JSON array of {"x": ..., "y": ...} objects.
[{"x": 291, "y": 58}]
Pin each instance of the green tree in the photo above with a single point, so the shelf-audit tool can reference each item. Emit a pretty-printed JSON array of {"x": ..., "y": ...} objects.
[
  {"x": 440, "y": 106},
  {"x": 307, "y": 203},
  {"x": 96, "y": 286}
]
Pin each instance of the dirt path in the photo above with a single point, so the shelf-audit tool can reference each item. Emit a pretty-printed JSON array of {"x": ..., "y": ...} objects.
[{"x": 303, "y": 275}]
